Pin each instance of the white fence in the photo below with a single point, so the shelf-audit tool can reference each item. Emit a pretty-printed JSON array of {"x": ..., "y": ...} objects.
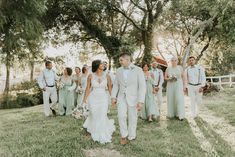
[{"x": 222, "y": 80}]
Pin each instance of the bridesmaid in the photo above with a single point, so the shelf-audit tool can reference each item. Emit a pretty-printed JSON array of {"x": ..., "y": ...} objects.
[
  {"x": 83, "y": 81},
  {"x": 76, "y": 79},
  {"x": 66, "y": 93},
  {"x": 149, "y": 110},
  {"x": 175, "y": 90}
]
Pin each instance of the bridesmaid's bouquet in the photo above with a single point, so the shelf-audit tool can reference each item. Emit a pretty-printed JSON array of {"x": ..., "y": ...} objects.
[
  {"x": 79, "y": 90},
  {"x": 172, "y": 78},
  {"x": 60, "y": 85}
]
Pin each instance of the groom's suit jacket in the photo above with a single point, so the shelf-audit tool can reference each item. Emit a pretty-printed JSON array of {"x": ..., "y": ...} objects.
[{"x": 133, "y": 89}]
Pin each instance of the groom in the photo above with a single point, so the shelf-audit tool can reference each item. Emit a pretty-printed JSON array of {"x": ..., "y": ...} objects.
[{"x": 129, "y": 93}]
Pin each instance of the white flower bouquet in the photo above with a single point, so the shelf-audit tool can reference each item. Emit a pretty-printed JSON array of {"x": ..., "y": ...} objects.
[
  {"x": 79, "y": 90},
  {"x": 172, "y": 78},
  {"x": 81, "y": 111},
  {"x": 60, "y": 85}
]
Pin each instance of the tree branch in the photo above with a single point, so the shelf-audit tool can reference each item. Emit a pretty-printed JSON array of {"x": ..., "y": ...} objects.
[
  {"x": 127, "y": 17},
  {"x": 203, "y": 49},
  {"x": 138, "y": 6}
]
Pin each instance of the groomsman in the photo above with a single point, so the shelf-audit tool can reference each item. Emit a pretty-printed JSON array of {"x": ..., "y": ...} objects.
[
  {"x": 158, "y": 81},
  {"x": 76, "y": 79},
  {"x": 111, "y": 75},
  {"x": 47, "y": 82},
  {"x": 107, "y": 71},
  {"x": 129, "y": 93},
  {"x": 196, "y": 80}
]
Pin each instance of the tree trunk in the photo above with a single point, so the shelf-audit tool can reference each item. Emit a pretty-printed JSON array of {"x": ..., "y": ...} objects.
[
  {"x": 111, "y": 44},
  {"x": 31, "y": 71},
  {"x": 7, "y": 83},
  {"x": 203, "y": 50},
  {"x": 110, "y": 62},
  {"x": 148, "y": 45},
  {"x": 201, "y": 27}
]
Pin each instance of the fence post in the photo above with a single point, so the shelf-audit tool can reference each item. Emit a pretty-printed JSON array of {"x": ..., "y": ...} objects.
[{"x": 220, "y": 83}]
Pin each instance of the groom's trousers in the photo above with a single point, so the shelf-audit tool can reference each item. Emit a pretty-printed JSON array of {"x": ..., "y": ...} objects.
[{"x": 125, "y": 111}]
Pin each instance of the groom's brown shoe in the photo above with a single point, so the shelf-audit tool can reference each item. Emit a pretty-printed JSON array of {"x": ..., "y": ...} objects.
[{"x": 123, "y": 141}]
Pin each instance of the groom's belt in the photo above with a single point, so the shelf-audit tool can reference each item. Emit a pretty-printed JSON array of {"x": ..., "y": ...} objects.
[{"x": 194, "y": 84}]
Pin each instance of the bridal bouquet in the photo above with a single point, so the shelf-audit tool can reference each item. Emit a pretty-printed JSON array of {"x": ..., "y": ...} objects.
[
  {"x": 81, "y": 111},
  {"x": 172, "y": 78},
  {"x": 85, "y": 110}
]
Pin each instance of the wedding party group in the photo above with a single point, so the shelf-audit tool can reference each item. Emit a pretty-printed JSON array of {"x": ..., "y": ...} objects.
[{"x": 135, "y": 92}]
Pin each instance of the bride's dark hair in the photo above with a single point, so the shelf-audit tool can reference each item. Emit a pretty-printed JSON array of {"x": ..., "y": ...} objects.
[{"x": 95, "y": 65}]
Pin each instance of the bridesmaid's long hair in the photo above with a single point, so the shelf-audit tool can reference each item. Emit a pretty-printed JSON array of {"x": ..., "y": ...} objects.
[{"x": 95, "y": 65}]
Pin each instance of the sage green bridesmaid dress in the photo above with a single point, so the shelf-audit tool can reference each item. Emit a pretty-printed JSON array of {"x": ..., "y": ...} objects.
[
  {"x": 175, "y": 94},
  {"x": 150, "y": 107},
  {"x": 66, "y": 97}
]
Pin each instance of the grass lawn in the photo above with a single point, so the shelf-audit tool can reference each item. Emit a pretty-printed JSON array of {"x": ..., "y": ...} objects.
[
  {"x": 223, "y": 104},
  {"x": 26, "y": 132}
]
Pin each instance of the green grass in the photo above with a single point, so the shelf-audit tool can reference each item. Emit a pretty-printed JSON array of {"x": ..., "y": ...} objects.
[
  {"x": 223, "y": 104},
  {"x": 220, "y": 145},
  {"x": 26, "y": 132}
]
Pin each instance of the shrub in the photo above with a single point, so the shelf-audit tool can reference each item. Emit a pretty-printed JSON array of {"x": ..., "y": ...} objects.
[{"x": 23, "y": 95}]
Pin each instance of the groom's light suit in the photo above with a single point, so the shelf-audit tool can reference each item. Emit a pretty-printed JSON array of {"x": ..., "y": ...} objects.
[{"x": 129, "y": 88}]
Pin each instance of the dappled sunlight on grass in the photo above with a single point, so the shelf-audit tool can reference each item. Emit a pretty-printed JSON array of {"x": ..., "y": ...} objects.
[{"x": 26, "y": 132}]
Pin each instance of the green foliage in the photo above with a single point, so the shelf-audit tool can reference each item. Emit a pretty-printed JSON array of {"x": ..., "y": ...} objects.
[
  {"x": 220, "y": 60},
  {"x": 86, "y": 21},
  {"x": 31, "y": 96},
  {"x": 25, "y": 86},
  {"x": 21, "y": 24},
  {"x": 20, "y": 101}
]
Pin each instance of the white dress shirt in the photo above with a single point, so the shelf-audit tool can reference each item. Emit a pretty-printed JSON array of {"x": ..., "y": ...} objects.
[
  {"x": 47, "y": 78},
  {"x": 196, "y": 75},
  {"x": 158, "y": 74},
  {"x": 126, "y": 72}
]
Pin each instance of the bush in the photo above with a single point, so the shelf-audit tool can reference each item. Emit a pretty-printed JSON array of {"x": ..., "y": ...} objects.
[
  {"x": 24, "y": 85},
  {"x": 20, "y": 101},
  {"x": 8, "y": 101},
  {"x": 23, "y": 95}
]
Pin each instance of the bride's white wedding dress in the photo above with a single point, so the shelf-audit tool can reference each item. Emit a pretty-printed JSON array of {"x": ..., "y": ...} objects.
[{"x": 97, "y": 123}]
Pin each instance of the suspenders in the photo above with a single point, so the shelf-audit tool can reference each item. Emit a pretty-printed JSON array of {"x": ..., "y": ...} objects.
[
  {"x": 199, "y": 75},
  {"x": 159, "y": 78},
  {"x": 44, "y": 77}
]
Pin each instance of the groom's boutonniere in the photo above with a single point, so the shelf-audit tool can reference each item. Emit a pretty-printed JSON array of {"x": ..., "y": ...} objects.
[{"x": 132, "y": 67}]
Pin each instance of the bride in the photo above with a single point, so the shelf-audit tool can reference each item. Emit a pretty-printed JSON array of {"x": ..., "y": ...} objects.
[{"x": 97, "y": 123}]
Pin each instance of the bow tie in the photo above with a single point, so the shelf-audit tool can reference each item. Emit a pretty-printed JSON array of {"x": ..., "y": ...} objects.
[{"x": 127, "y": 68}]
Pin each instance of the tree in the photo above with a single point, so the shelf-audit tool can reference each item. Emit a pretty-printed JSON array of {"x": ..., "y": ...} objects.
[
  {"x": 149, "y": 12},
  {"x": 19, "y": 23},
  {"x": 82, "y": 20},
  {"x": 203, "y": 22}
]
